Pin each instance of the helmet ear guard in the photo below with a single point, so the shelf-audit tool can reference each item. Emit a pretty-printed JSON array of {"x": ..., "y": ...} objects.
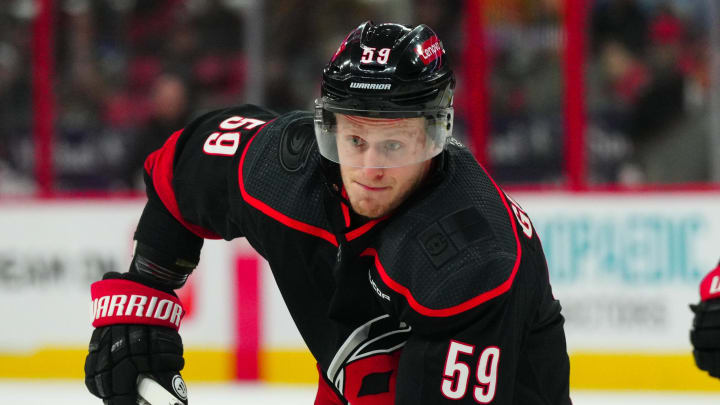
[{"x": 387, "y": 71}]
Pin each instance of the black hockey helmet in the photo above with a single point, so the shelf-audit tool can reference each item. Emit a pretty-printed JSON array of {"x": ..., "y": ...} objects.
[{"x": 387, "y": 71}]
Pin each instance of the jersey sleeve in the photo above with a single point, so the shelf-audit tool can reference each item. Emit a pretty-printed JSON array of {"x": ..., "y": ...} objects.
[
  {"x": 486, "y": 328},
  {"x": 191, "y": 183}
]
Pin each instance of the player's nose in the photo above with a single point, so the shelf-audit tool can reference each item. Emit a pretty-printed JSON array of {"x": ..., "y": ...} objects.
[
  {"x": 373, "y": 163},
  {"x": 373, "y": 173},
  {"x": 374, "y": 158}
]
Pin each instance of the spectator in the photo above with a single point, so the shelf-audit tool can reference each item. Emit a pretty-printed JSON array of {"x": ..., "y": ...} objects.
[
  {"x": 169, "y": 106},
  {"x": 621, "y": 21}
]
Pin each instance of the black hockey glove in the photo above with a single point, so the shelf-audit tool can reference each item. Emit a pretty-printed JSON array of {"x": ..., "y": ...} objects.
[
  {"x": 705, "y": 334},
  {"x": 136, "y": 333}
]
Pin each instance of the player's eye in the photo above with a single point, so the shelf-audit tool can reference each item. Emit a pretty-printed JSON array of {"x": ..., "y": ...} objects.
[
  {"x": 356, "y": 141},
  {"x": 393, "y": 146}
]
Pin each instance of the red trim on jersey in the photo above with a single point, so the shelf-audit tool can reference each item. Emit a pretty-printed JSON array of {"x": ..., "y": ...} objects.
[
  {"x": 273, "y": 213},
  {"x": 464, "y": 306},
  {"x": 423, "y": 310},
  {"x": 345, "y": 209},
  {"x": 160, "y": 167},
  {"x": 356, "y": 233}
]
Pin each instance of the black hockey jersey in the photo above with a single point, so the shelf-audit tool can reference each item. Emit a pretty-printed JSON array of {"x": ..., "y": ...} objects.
[{"x": 446, "y": 300}]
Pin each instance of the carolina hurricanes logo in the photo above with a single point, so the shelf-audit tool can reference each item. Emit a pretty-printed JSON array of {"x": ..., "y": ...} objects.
[
  {"x": 430, "y": 50},
  {"x": 370, "y": 352}
]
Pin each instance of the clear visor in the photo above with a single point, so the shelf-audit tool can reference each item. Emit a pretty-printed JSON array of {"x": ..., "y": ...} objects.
[{"x": 372, "y": 139}]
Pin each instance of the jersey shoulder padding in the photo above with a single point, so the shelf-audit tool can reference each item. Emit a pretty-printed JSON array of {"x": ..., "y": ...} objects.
[
  {"x": 454, "y": 249},
  {"x": 279, "y": 175}
]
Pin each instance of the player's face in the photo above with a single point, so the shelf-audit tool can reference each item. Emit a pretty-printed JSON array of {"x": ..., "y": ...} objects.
[{"x": 366, "y": 147}]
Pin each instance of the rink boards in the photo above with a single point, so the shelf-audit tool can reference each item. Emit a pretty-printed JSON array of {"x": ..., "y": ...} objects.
[{"x": 624, "y": 266}]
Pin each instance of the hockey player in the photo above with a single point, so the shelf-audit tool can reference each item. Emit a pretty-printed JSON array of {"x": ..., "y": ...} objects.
[
  {"x": 705, "y": 333},
  {"x": 412, "y": 277}
]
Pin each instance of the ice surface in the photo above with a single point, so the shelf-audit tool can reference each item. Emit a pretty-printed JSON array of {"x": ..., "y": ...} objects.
[{"x": 44, "y": 392}]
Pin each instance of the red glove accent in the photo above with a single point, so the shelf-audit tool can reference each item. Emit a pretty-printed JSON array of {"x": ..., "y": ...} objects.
[
  {"x": 117, "y": 301},
  {"x": 710, "y": 285}
]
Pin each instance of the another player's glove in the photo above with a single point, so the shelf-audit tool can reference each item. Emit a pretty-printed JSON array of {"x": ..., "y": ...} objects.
[
  {"x": 705, "y": 334},
  {"x": 136, "y": 333}
]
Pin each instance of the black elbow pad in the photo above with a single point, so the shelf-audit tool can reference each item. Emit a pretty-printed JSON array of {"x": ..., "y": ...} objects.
[{"x": 166, "y": 251}]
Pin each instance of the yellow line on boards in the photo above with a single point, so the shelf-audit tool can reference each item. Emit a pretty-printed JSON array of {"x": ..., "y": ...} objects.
[
  {"x": 288, "y": 366},
  {"x": 209, "y": 365},
  {"x": 639, "y": 371},
  {"x": 68, "y": 363},
  {"x": 588, "y": 370},
  {"x": 47, "y": 362}
]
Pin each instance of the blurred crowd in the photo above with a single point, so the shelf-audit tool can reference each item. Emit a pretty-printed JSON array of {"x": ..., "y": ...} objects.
[
  {"x": 647, "y": 89},
  {"x": 128, "y": 73}
]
